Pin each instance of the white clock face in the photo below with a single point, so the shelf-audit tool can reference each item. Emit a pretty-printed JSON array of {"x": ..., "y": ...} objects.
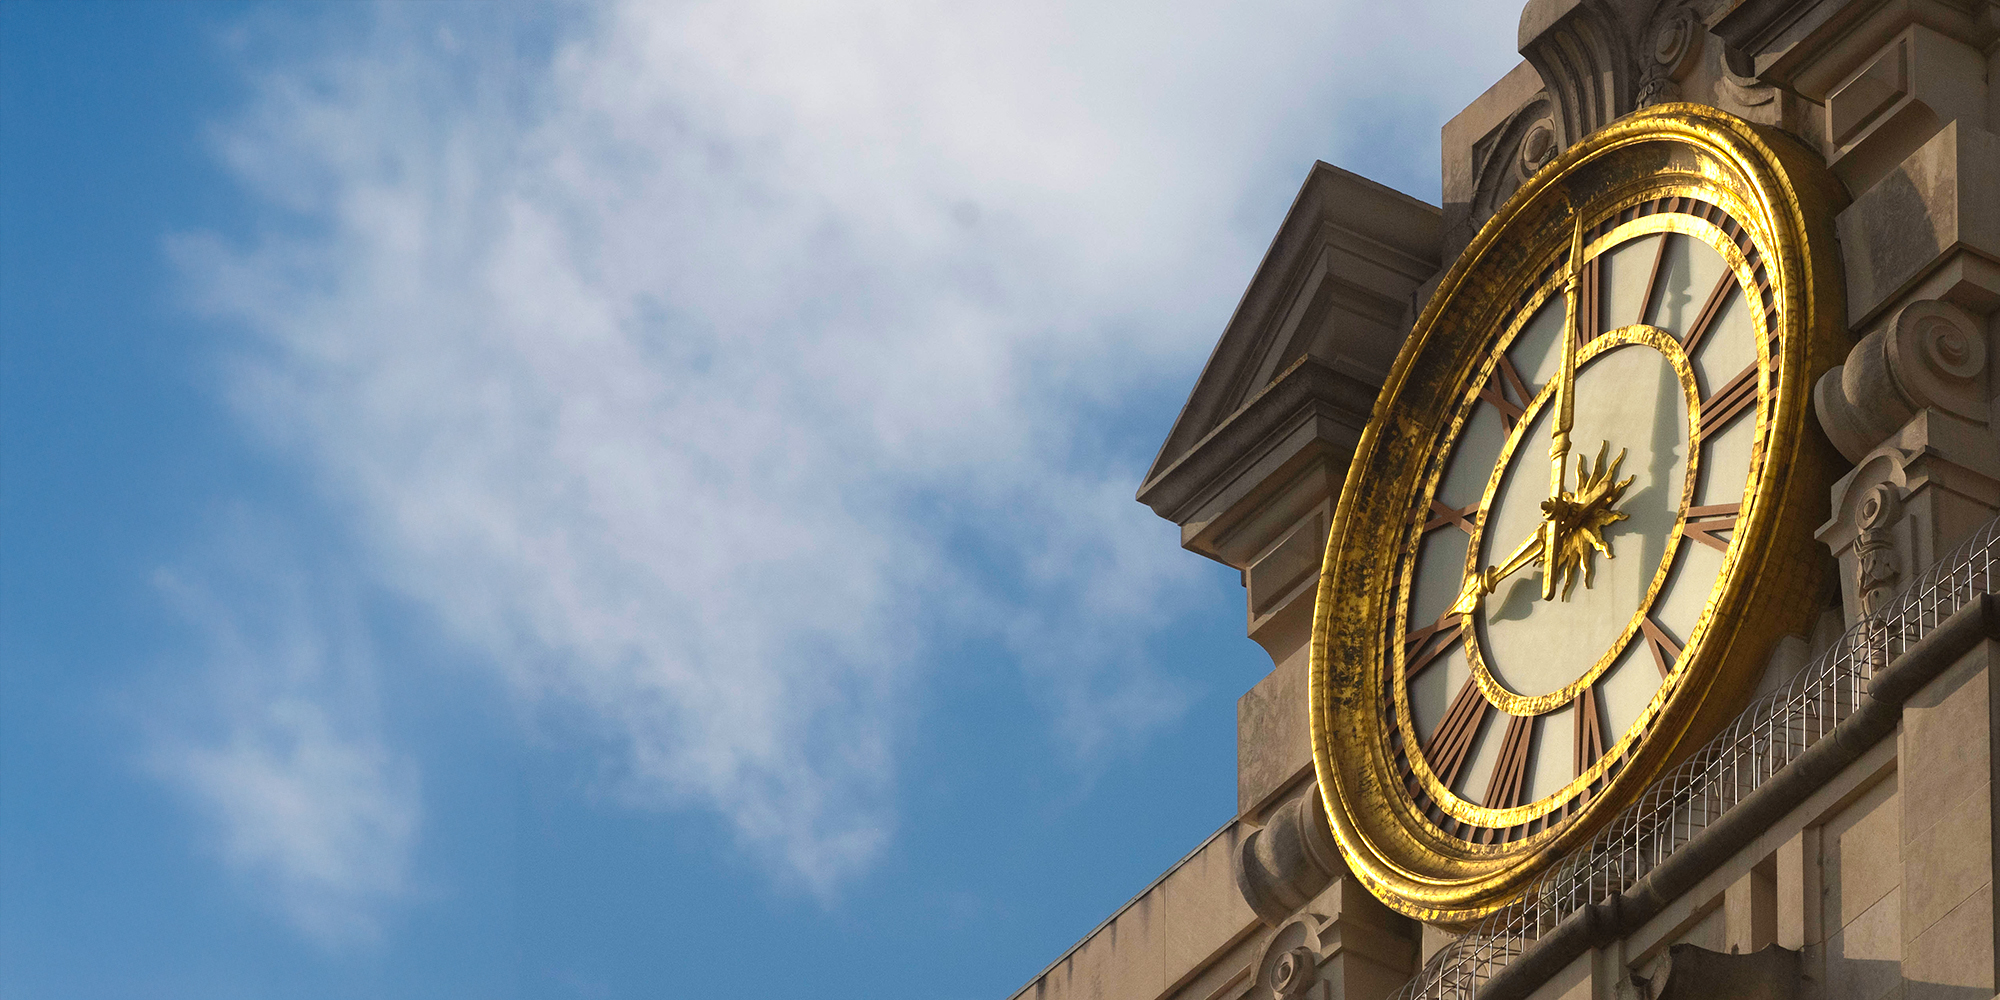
[{"x": 1527, "y": 698}]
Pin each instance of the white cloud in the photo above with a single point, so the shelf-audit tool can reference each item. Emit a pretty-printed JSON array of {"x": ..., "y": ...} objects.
[
  {"x": 279, "y": 747},
  {"x": 708, "y": 370}
]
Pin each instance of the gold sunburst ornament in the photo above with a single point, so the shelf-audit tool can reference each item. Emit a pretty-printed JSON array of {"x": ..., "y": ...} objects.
[{"x": 1577, "y": 520}]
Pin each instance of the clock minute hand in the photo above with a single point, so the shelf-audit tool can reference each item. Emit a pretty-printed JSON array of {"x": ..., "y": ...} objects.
[
  {"x": 1565, "y": 401},
  {"x": 1483, "y": 582}
]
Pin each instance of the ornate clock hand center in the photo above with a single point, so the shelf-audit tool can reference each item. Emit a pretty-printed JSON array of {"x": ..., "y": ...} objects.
[
  {"x": 1572, "y": 527},
  {"x": 1576, "y": 521}
]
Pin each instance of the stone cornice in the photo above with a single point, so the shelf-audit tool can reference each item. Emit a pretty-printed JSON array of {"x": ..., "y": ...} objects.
[{"x": 1328, "y": 406}]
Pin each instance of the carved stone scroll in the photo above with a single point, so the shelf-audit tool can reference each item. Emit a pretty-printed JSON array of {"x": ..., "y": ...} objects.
[
  {"x": 1580, "y": 49},
  {"x": 1931, "y": 354},
  {"x": 1671, "y": 49}
]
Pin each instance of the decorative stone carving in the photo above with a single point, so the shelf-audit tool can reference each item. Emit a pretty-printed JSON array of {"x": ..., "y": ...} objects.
[
  {"x": 1294, "y": 973},
  {"x": 1931, "y": 354},
  {"x": 1581, "y": 52},
  {"x": 1600, "y": 59},
  {"x": 1911, "y": 407},
  {"x": 1538, "y": 147},
  {"x": 1505, "y": 157},
  {"x": 1878, "y": 572},
  {"x": 1289, "y": 967},
  {"x": 1677, "y": 45},
  {"x": 1342, "y": 944},
  {"x": 1282, "y": 866}
]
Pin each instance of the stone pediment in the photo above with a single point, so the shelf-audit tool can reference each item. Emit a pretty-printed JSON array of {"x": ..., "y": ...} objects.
[{"x": 1309, "y": 344}]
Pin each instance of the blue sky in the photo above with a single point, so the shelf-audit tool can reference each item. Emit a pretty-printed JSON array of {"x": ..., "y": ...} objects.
[{"x": 628, "y": 500}]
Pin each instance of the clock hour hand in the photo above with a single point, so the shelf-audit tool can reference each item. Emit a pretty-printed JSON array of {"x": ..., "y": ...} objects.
[{"x": 1485, "y": 581}]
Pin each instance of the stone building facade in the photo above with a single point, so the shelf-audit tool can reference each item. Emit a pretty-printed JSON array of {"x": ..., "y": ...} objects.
[{"x": 1862, "y": 869}]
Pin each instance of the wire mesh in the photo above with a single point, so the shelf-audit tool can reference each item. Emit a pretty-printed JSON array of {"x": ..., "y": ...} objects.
[{"x": 1771, "y": 733}]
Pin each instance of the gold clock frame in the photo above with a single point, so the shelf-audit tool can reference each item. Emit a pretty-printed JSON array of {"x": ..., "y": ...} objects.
[{"x": 1783, "y": 200}]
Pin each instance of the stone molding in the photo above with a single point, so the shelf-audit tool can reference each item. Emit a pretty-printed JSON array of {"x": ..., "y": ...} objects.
[
  {"x": 1310, "y": 408},
  {"x": 1938, "y": 209},
  {"x": 1808, "y": 47}
]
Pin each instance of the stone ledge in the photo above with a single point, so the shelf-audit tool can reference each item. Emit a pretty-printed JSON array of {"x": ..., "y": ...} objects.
[{"x": 1212, "y": 862}]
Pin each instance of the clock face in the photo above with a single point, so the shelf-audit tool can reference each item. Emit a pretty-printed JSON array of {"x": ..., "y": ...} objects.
[
  {"x": 1582, "y": 511},
  {"x": 1507, "y": 704}
]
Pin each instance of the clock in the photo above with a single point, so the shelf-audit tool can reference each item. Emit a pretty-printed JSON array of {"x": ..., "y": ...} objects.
[{"x": 1582, "y": 510}]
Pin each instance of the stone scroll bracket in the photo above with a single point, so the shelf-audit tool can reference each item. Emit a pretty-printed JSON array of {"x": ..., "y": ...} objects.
[
  {"x": 1582, "y": 50},
  {"x": 1587, "y": 62},
  {"x": 1331, "y": 939},
  {"x": 1912, "y": 407},
  {"x": 1282, "y": 866},
  {"x": 1930, "y": 355},
  {"x": 1600, "y": 59}
]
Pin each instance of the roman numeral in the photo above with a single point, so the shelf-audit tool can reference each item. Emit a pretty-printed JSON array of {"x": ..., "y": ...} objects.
[
  {"x": 1510, "y": 777},
  {"x": 1707, "y": 524},
  {"x": 1705, "y": 320},
  {"x": 1449, "y": 746},
  {"x": 1422, "y": 647},
  {"x": 1727, "y": 403},
  {"x": 1589, "y": 303},
  {"x": 1653, "y": 280},
  {"x": 1505, "y": 377},
  {"x": 1442, "y": 515},
  {"x": 1589, "y": 730},
  {"x": 1665, "y": 650}
]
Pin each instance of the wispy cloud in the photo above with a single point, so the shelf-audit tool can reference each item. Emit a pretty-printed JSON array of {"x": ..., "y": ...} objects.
[
  {"x": 278, "y": 744},
  {"x": 704, "y": 364}
]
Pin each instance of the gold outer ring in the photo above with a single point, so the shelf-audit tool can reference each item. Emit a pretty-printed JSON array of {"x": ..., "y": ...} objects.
[{"x": 1782, "y": 195}]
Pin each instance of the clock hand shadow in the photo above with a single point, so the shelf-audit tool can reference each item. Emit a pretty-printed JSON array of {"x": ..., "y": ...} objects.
[
  {"x": 1522, "y": 593},
  {"x": 1650, "y": 532}
]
